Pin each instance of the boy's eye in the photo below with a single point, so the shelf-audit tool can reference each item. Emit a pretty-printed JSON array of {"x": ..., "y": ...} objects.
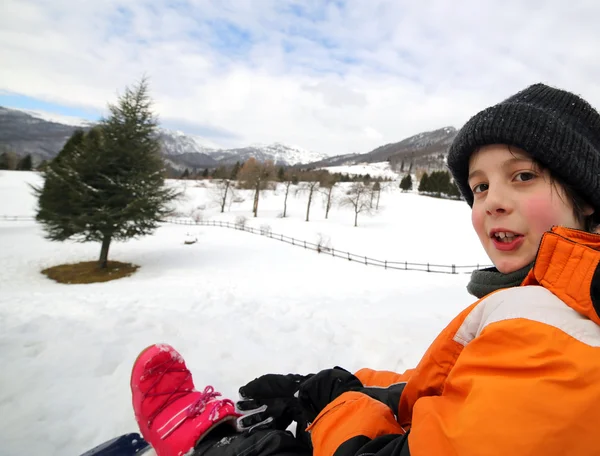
[
  {"x": 480, "y": 188},
  {"x": 524, "y": 176}
]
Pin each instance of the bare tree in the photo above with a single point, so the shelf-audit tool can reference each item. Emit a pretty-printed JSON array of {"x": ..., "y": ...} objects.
[
  {"x": 312, "y": 181},
  {"x": 376, "y": 189},
  {"x": 359, "y": 198},
  {"x": 327, "y": 183},
  {"x": 223, "y": 192},
  {"x": 255, "y": 175},
  {"x": 287, "y": 183}
]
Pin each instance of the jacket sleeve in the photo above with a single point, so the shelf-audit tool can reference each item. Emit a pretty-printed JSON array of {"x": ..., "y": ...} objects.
[
  {"x": 356, "y": 424},
  {"x": 370, "y": 377}
]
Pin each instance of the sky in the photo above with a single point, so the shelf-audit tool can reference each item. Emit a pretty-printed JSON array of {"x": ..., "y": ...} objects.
[{"x": 333, "y": 76}]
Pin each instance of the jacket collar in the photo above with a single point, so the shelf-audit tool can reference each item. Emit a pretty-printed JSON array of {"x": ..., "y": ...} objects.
[{"x": 567, "y": 265}]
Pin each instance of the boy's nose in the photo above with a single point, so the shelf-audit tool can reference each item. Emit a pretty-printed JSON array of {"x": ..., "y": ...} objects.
[{"x": 497, "y": 203}]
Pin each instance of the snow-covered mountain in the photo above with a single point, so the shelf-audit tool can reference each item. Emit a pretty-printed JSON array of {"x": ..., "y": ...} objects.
[
  {"x": 427, "y": 150},
  {"x": 277, "y": 152},
  {"x": 43, "y": 134},
  {"x": 176, "y": 143}
]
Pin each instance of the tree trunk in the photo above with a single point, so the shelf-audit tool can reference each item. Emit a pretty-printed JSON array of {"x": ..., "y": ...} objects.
[
  {"x": 224, "y": 197},
  {"x": 309, "y": 201},
  {"x": 256, "y": 194},
  {"x": 328, "y": 202},
  {"x": 103, "y": 261},
  {"x": 378, "y": 196},
  {"x": 372, "y": 195},
  {"x": 356, "y": 217},
  {"x": 287, "y": 190}
]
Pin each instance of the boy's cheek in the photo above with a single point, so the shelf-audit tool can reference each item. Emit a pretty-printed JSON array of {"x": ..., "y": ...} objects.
[
  {"x": 477, "y": 221},
  {"x": 540, "y": 214}
]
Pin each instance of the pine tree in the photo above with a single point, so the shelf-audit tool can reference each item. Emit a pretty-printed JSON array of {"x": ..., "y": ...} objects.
[
  {"x": 281, "y": 174},
  {"x": 8, "y": 160},
  {"x": 205, "y": 173},
  {"x": 185, "y": 174},
  {"x": 438, "y": 182},
  {"x": 74, "y": 142},
  {"x": 424, "y": 183},
  {"x": 235, "y": 170},
  {"x": 4, "y": 161},
  {"x": 406, "y": 183},
  {"x": 25, "y": 164},
  {"x": 108, "y": 184},
  {"x": 453, "y": 191}
]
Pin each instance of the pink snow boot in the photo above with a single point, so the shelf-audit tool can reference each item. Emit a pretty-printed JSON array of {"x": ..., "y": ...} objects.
[{"x": 171, "y": 414}]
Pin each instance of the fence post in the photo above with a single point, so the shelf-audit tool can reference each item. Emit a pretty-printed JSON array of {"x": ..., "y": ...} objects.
[
  {"x": 349, "y": 259},
  {"x": 332, "y": 252},
  {"x": 385, "y": 265},
  {"x": 453, "y": 270},
  {"x": 282, "y": 237},
  {"x": 428, "y": 268},
  {"x": 304, "y": 244},
  {"x": 293, "y": 241},
  {"x": 405, "y": 266},
  {"x": 365, "y": 261},
  {"x": 477, "y": 265}
]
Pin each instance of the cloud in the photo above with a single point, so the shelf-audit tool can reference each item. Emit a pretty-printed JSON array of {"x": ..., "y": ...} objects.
[{"x": 332, "y": 76}]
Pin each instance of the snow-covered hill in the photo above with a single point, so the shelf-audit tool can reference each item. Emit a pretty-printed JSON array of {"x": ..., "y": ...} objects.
[{"x": 236, "y": 305}]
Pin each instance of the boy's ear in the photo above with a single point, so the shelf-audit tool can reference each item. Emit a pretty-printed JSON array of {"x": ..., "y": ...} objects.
[{"x": 588, "y": 210}]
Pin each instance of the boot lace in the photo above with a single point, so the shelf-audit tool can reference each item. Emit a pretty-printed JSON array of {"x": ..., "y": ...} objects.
[{"x": 196, "y": 408}]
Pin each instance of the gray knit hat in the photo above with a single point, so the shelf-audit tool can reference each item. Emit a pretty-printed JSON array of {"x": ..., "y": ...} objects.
[{"x": 557, "y": 128}]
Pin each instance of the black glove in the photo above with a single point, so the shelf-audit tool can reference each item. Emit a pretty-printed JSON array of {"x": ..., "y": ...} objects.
[
  {"x": 270, "y": 401},
  {"x": 321, "y": 389}
]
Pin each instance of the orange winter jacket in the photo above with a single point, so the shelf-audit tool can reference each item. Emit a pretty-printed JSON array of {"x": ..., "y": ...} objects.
[{"x": 516, "y": 373}]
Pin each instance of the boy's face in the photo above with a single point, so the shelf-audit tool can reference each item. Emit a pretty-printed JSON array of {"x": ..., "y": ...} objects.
[{"x": 514, "y": 204}]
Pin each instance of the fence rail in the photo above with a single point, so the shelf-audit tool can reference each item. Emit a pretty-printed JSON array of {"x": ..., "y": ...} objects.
[
  {"x": 400, "y": 265},
  {"x": 266, "y": 231}
]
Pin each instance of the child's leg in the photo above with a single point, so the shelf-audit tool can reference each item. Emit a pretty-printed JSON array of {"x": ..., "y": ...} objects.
[
  {"x": 260, "y": 442},
  {"x": 171, "y": 414}
]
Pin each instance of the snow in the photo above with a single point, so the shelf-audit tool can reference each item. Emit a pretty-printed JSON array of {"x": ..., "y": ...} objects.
[
  {"x": 57, "y": 118},
  {"x": 291, "y": 154},
  {"x": 381, "y": 169},
  {"x": 234, "y": 304}
]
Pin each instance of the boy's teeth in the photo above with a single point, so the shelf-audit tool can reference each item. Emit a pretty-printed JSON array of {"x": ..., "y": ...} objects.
[
  {"x": 504, "y": 236},
  {"x": 501, "y": 235}
]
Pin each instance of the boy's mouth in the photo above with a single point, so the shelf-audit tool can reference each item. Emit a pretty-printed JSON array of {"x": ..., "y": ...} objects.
[{"x": 506, "y": 240}]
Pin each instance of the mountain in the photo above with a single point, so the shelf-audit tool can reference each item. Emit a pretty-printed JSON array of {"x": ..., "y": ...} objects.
[
  {"x": 428, "y": 151},
  {"x": 24, "y": 133},
  {"x": 43, "y": 135},
  {"x": 279, "y": 153}
]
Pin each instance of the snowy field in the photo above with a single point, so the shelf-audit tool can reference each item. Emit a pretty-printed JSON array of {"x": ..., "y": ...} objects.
[{"x": 236, "y": 305}]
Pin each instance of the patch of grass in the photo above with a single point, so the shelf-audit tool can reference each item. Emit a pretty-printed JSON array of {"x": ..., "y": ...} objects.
[{"x": 89, "y": 272}]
